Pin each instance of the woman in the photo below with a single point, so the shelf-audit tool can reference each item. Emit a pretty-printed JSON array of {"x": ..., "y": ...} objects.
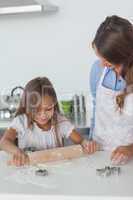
[{"x": 112, "y": 89}]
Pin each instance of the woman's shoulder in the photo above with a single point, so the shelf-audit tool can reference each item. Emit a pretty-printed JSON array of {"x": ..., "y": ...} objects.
[{"x": 97, "y": 67}]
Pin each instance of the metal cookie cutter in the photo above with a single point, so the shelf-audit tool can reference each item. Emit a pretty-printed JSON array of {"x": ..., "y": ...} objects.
[
  {"x": 116, "y": 170},
  {"x": 100, "y": 172},
  {"x": 108, "y": 171},
  {"x": 41, "y": 172}
]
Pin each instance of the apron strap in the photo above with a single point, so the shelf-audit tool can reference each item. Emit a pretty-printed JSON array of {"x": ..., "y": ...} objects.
[{"x": 102, "y": 76}]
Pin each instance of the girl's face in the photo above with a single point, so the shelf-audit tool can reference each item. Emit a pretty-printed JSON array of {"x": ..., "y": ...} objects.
[
  {"x": 45, "y": 111},
  {"x": 104, "y": 62}
]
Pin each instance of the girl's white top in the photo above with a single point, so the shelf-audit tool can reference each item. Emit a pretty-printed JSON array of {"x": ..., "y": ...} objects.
[
  {"x": 37, "y": 137},
  {"x": 112, "y": 128}
]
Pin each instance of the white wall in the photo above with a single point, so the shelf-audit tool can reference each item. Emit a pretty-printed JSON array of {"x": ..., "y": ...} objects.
[{"x": 57, "y": 46}]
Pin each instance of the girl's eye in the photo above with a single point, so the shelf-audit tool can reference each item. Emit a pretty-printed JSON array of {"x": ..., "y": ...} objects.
[{"x": 49, "y": 109}]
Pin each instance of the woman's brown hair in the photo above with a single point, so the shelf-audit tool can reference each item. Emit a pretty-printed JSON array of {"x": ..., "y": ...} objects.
[
  {"x": 114, "y": 42},
  {"x": 32, "y": 95}
]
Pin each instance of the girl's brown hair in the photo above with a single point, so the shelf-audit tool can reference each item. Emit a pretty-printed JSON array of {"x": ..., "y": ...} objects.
[
  {"x": 114, "y": 42},
  {"x": 32, "y": 95}
]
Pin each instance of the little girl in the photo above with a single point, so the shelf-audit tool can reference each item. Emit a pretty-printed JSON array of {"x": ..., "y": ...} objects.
[{"x": 38, "y": 123}]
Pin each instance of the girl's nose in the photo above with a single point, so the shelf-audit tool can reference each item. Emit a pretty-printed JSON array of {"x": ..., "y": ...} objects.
[{"x": 42, "y": 114}]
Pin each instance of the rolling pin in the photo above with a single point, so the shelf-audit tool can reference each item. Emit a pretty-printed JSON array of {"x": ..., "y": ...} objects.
[{"x": 55, "y": 154}]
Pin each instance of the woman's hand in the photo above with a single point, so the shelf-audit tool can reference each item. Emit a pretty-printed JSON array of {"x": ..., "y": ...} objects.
[
  {"x": 90, "y": 147},
  {"x": 19, "y": 159},
  {"x": 122, "y": 154}
]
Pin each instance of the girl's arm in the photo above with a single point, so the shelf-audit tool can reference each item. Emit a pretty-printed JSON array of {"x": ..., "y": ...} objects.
[
  {"x": 76, "y": 137},
  {"x": 88, "y": 146},
  {"x": 7, "y": 142}
]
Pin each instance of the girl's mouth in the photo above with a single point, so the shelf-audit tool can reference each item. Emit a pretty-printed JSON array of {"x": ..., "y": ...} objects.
[{"x": 42, "y": 120}]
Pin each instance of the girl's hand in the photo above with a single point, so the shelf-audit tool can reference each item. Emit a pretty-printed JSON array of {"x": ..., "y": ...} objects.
[
  {"x": 122, "y": 155},
  {"x": 90, "y": 147},
  {"x": 19, "y": 159}
]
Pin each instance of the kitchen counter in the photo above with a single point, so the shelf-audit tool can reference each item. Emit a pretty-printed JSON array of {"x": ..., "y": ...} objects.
[{"x": 73, "y": 177}]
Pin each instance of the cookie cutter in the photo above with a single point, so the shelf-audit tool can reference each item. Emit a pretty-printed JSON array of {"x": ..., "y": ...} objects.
[
  {"x": 41, "y": 172},
  {"x": 108, "y": 171}
]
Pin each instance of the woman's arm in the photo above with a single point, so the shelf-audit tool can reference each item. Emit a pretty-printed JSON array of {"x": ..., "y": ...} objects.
[
  {"x": 122, "y": 154},
  {"x": 7, "y": 142}
]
